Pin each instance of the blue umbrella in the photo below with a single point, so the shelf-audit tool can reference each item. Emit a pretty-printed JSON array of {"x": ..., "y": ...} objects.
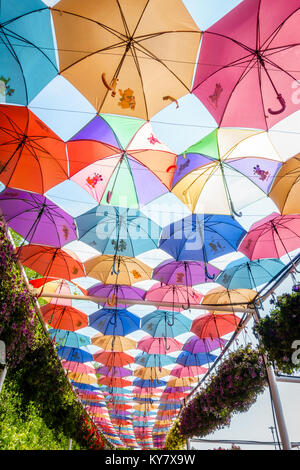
[
  {"x": 170, "y": 406},
  {"x": 74, "y": 354},
  {"x": 163, "y": 323},
  {"x": 118, "y": 231},
  {"x": 83, "y": 386},
  {"x": 186, "y": 358},
  {"x": 201, "y": 237},
  {"x": 148, "y": 383},
  {"x": 113, "y": 321},
  {"x": 246, "y": 274},
  {"x": 143, "y": 413},
  {"x": 27, "y": 50},
  {"x": 153, "y": 360},
  {"x": 69, "y": 338}
]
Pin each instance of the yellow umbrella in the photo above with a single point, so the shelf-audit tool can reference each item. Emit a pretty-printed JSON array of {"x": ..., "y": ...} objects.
[
  {"x": 145, "y": 406},
  {"x": 151, "y": 373},
  {"x": 82, "y": 378},
  {"x": 222, "y": 296},
  {"x": 286, "y": 187},
  {"x": 113, "y": 342},
  {"x": 182, "y": 382},
  {"x": 143, "y": 52},
  {"x": 120, "y": 269}
]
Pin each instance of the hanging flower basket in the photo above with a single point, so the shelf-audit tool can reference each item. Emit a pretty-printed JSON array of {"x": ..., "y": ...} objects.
[
  {"x": 280, "y": 331},
  {"x": 240, "y": 378},
  {"x": 175, "y": 440}
]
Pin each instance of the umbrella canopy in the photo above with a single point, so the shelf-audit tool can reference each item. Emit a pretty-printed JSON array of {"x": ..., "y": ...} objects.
[
  {"x": 32, "y": 156},
  {"x": 249, "y": 274},
  {"x": 162, "y": 323},
  {"x": 37, "y": 218},
  {"x": 117, "y": 269},
  {"x": 113, "y": 359},
  {"x": 111, "y": 321},
  {"x": 215, "y": 176},
  {"x": 186, "y": 358},
  {"x": 145, "y": 383},
  {"x": 62, "y": 317},
  {"x": 115, "y": 293},
  {"x": 120, "y": 152},
  {"x": 118, "y": 231},
  {"x": 188, "y": 273},
  {"x": 182, "y": 382},
  {"x": 196, "y": 345},
  {"x": 285, "y": 188},
  {"x": 132, "y": 50},
  {"x": 68, "y": 338},
  {"x": 113, "y": 371},
  {"x": 74, "y": 354},
  {"x": 52, "y": 262},
  {"x": 202, "y": 238},
  {"x": 164, "y": 345},
  {"x": 240, "y": 298},
  {"x": 188, "y": 371},
  {"x": 113, "y": 382},
  {"x": 78, "y": 367},
  {"x": 151, "y": 373},
  {"x": 153, "y": 360},
  {"x": 82, "y": 378},
  {"x": 56, "y": 286},
  {"x": 252, "y": 67},
  {"x": 27, "y": 50},
  {"x": 173, "y": 294},
  {"x": 272, "y": 237},
  {"x": 214, "y": 325},
  {"x": 113, "y": 342}
]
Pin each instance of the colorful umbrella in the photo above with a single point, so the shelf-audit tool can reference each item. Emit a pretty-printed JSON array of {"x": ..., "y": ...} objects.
[
  {"x": 113, "y": 342},
  {"x": 146, "y": 383},
  {"x": 57, "y": 286},
  {"x": 113, "y": 359},
  {"x": 285, "y": 188},
  {"x": 252, "y": 67},
  {"x": 131, "y": 49},
  {"x": 113, "y": 371},
  {"x": 27, "y": 50},
  {"x": 37, "y": 218},
  {"x": 178, "y": 294},
  {"x": 240, "y": 298},
  {"x": 202, "y": 345},
  {"x": 68, "y": 338},
  {"x": 247, "y": 274},
  {"x": 77, "y": 367},
  {"x": 82, "y": 378},
  {"x": 214, "y": 325},
  {"x": 186, "y": 358},
  {"x": 115, "y": 293},
  {"x": 210, "y": 174},
  {"x": 113, "y": 382},
  {"x": 272, "y": 237},
  {"x": 162, "y": 323},
  {"x": 153, "y": 360},
  {"x": 152, "y": 345},
  {"x": 64, "y": 317},
  {"x": 189, "y": 273},
  {"x": 32, "y": 157},
  {"x": 118, "y": 231},
  {"x": 151, "y": 373},
  {"x": 74, "y": 354},
  {"x": 187, "y": 371},
  {"x": 133, "y": 151},
  {"x": 182, "y": 382},
  {"x": 117, "y": 269},
  {"x": 112, "y": 321},
  {"x": 202, "y": 238},
  {"x": 52, "y": 262}
]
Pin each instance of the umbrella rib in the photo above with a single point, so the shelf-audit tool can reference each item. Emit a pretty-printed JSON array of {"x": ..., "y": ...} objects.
[{"x": 135, "y": 58}]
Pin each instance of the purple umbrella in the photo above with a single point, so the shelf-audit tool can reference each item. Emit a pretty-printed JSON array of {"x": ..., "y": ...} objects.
[
  {"x": 36, "y": 218},
  {"x": 114, "y": 293},
  {"x": 113, "y": 371},
  {"x": 189, "y": 273},
  {"x": 196, "y": 345}
]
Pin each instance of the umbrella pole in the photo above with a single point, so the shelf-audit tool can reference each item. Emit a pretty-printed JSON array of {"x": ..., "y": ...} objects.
[{"x": 286, "y": 443}]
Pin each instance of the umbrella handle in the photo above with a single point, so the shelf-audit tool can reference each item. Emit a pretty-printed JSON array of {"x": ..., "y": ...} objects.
[
  {"x": 237, "y": 214},
  {"x": 111, "y": 302},
  {"x": 283, "y": 106},
  {"x": 113, "y": 271},
  {"x": 210, "y": 276}
]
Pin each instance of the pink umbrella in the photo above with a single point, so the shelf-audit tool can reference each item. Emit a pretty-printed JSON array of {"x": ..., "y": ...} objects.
[
  {"x": 189, "y": 371},
  {"x": 78, "y": 367},
  {"x": 159, "y": 345},
  {"x": 175, "y": 294},
  {"x": 245, "y": 74},
  {"x": 272, "y": 237}
]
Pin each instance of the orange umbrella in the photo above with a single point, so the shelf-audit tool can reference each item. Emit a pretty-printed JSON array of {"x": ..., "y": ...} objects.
[
  {"x": 53, "y": 262},
  {"x": 113, "y": 359},
  {"x": 113, "y": 343},
  {"x": 286, "y": 187},
  {"x": 32, "y": 156},
  {"x": 214, "y": 325},
  {"x": 64, "y": 317},
  {"x": 114, "y": 382}
]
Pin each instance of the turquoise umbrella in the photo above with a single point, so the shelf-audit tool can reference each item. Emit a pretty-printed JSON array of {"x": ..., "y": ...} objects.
[
  {"x": 153, "y": 360},
  {"x": 69, "y": 338},
  {"x": 246, "y": 274},
  {"x": 27, "y": 50},
  {"x": 163, "y": 323}
]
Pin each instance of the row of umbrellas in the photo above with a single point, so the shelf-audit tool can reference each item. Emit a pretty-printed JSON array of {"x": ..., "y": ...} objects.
[{"x": 128, "y": 63}]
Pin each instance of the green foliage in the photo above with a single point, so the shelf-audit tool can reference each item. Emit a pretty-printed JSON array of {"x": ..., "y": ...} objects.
[
  {"x": 175, "y": 440},
  {"x": 279, "y": 330}
]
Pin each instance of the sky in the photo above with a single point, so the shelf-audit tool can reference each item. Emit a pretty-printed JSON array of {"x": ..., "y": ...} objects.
[{"x": 66, "y": 111}]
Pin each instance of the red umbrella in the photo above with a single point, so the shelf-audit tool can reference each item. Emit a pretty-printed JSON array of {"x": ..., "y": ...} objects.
[
  {"x": 214, "y": 325},
  {"x": 53, "y": 262},
  {"x": 113, "y": 359},
  {"x": 64, "y": 317},
  {"x": 114, "y": 382},
  {"x": 32, "y": 156}
]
